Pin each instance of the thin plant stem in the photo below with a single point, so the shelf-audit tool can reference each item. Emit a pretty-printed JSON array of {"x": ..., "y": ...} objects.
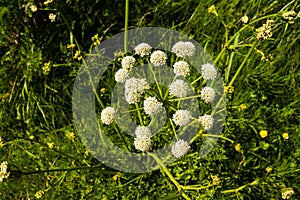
[
  {"x": 168, "y": 173},
  {"x": 242, "y": 65},
  {"x": 139, "y": 114},
  {"x": 126, "y": 25}
]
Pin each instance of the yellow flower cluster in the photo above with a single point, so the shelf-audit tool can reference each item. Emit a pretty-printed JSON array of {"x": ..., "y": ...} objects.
[
  {"x": 96, "y": 40},
  {"x": 212, "y": 9},
  {"x": 39, "y": 194},
  {"x": 269, "y": 169},
  {"x": 52, "y": 17},
  {"x": 33, "y": 8},
  {"x": 287, "y": 193},
  {"x": 229, "y": 89},
  {"x": 77, "y": 55},
  {"x": 264, "y": 32},
  {"x": 46, "y": 68},
  {"x": 289, "y": 16},
  {"x": 245, "y": 19},
  {"x": 242, "y": 107}
]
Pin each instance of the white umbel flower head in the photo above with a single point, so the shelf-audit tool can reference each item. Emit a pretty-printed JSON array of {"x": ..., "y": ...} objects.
[
  {"x": 143, "y": 49},
  {"x": 152, "y": 106},
  {"x": 158, "y": 58},
  {"x": 142, "y": 131},
  {"x": 208, "y": 94},
  {"x": 184, "y": 49},
  {"x": 128, "y": 62},
  {"x": 181, "y": 68},
  {"x": 206, "y": 121},
  {"x": 121, "y": 75},
  {"x": 134, "y": 88},
  {"x": 180, "y": 148},
  {"x": 208, "y": 71},
  {"x": 108, "y": 115},
  {"x": 182, "y": 117},
  {"x": 143, "y": 144},
  {"x": 4, "y": 172},
  {"x": 179, "y": 88},
  {"x": 142, "y": 141}
]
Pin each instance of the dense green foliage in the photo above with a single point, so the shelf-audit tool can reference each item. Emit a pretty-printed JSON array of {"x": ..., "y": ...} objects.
[{"x": 36, "y": 122}]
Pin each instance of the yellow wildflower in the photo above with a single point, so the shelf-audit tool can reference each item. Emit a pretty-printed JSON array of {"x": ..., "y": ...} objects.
[
  {"x": 238, "y": 147},
  {"x": 39, "y": 194},
  {"x": 46, "y": 68},
  {"x": 70, "y": 135},
  {"x": 115, "y": 177},
  {"x": 31, "y": 137},
  {"x": 269, "y": 169},
  {"x": 70, "y": 46},
  {"x": 285, "y": 136},
  {"x": 287, "y": 193},
  {"x": 52, "y": 17},
  {"x": 33, "y": 8},
  {"x": 212, "y": 9},
  {"x": 263, "y": 133},
  {"x": 215, "y": 179},
  {"x": 50, "y": 144},
  {"x": 289, "y": 16},
  {"x": 245, "y": 19},
  {"x": 1, "y": 142},
  {"x": 78, "y": 55},
  {"x": 47, "y": 2},
  {"x": 229, "y": 89},
  {"x": 264, "y": 32},
  {"x": 242, "y": 107},
  {"x": 96, "y": 40}
]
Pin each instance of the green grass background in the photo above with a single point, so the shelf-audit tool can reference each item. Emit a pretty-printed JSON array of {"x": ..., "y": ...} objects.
[{"x": 36, "y": 107}]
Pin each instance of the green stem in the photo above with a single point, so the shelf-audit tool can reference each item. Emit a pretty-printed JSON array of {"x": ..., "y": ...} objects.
[
  {"x": 84, "y": 62},
  {"x": 242, "y": 187},
  {"x": 139, "y": 114},
  {"x": 185, "y": 98},
  {"x": 219, "y": 136},
  {"x": 71, "y": 169},
  {"x": 242, "y": 65},
  {"x": 126, "y": 25},
  {"x": 171, "y": 177}
]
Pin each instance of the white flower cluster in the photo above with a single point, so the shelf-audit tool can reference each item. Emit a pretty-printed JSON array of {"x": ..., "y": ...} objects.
[
  {"x": 208, "y": 94},
  {"x": 182, "y": 117},
  {"x": 143, "y": 49},
  {"x": 121, "y": 75},
  {"x": 134, "y": 88},
  {"x": 128, "y": 62},
  {"x": 184, "y": 49},
  {"x": 108, "y": 115},
  {"x": 181, "y": 68},
  {"x": 180, "y": 148},
  {"x": 208, "y": 71},
  {"x": 179, "y": 88},
  {"x": 4, "y": 172},
  {"x": 142, "y": 141},
  {"x": 152, "y": 106},
  {"x": 206, "y": 121},
  {"x": 158, "y": 58}
]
